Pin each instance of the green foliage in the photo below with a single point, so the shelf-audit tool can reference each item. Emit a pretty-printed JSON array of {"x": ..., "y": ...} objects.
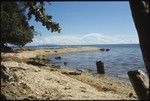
[
  {"x": 14, "y": 21},
  {"x": 14, "y": 26},
  {"x": 37, "y": 9}
]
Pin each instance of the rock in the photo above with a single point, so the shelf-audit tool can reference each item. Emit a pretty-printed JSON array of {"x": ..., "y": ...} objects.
[
  {"x": 104, "y": 89},
  {"x": 58, "y": 57},
  {"x": 75, "y": 73},
  {"x": 56, "y": 66},
  {"x": 35, "y": 63},
  {"x": 66, "y": 88},
  {"x": 131, "y": 95},
  {"x": 65, "y": 63},
  {"x": 83, "y": 89},
  {"x": 107, "y": 49},
  {"x": 72, "y": 73},
  {"x": 30, "y": 98},
  {"x": 102, "y": 49}
]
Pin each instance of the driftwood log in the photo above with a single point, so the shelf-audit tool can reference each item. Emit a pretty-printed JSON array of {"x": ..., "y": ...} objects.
[
  {"x": 140, "y": 83},
  {"x": 100, "y": 67}
]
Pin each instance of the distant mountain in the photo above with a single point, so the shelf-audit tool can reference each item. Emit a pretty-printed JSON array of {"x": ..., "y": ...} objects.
[{"x": 87, "y": 39}]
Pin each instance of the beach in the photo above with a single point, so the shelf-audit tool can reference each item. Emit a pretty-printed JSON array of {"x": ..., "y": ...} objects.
[{"x": 26, "y": 75}]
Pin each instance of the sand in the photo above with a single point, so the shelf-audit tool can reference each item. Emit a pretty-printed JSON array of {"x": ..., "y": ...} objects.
[{"x": 32, "y": 80}]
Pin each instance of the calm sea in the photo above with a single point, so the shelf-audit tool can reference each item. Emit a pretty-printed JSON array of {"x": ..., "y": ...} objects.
[{"x": 118, "y": 61}]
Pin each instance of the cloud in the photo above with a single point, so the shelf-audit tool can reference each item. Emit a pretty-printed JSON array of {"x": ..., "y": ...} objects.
[{"x": 92, "y": 38}]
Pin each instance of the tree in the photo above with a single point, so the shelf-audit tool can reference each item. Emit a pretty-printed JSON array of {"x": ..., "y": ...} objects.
[
  {"x": 14, "y": 21},
  {"x": 141, "y": 15},
  {"x": 14, "y": 27},
  {"x": 37, "y": 9}
]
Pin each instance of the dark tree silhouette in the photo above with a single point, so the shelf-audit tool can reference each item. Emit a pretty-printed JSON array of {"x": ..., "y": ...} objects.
[
  {"x": 141, "y": 16},
  {"x": 15, "y": 28}
]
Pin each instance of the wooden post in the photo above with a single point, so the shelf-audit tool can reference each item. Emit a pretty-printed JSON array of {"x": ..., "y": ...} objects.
[
  {"x": 100, "y": 67},
  {"x": 140, "y": 83}
]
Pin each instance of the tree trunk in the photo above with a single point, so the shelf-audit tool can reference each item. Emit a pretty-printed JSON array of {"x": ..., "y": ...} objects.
[{"x": 141, "y": 17}]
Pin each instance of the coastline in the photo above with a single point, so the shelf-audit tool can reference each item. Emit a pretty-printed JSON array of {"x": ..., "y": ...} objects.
[{"x": 47, "y": 81}]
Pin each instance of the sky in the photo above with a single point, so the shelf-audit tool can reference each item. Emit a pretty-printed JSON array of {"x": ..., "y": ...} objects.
[{"x": 86, "y": 23}]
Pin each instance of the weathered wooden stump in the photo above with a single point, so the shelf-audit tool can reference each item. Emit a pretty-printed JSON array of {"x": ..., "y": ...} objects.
[
  {"x": 140, "y": 83},
  {"x": 100, "y": 67}
]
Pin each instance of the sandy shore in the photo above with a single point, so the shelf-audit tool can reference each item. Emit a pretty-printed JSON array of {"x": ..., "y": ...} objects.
[{"x": 25, "y": 75}]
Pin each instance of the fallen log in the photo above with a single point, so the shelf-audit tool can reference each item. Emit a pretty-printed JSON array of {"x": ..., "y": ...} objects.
[{"x": 140, "y": 83}]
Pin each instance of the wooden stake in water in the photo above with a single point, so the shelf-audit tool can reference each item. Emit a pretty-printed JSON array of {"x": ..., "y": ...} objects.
[{"x": 100, "y": 67}]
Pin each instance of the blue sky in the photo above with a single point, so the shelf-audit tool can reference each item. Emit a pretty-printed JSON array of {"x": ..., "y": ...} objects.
[{"x": 88, "y": 23}]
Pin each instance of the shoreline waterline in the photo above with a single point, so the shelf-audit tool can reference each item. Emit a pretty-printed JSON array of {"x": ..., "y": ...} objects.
[
  {"x": 118, "y": 61},
  {"x": 46, "y": 78}
]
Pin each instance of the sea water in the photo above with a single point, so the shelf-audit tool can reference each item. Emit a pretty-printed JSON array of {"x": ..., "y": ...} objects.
[{"x": 118, "y": 61}]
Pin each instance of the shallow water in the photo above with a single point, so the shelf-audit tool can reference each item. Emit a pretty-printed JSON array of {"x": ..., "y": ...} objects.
[{"x": 118, "y": 61}]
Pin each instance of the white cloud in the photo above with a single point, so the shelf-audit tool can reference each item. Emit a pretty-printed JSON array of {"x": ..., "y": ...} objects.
[{"x": 92, "y": 38}]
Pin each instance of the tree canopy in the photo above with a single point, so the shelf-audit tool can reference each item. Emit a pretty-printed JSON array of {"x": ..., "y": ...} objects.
[{"x": 15, "y": 28}]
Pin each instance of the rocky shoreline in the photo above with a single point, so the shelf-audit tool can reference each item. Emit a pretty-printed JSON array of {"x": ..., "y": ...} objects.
[{"x": 26, "y": 75}]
